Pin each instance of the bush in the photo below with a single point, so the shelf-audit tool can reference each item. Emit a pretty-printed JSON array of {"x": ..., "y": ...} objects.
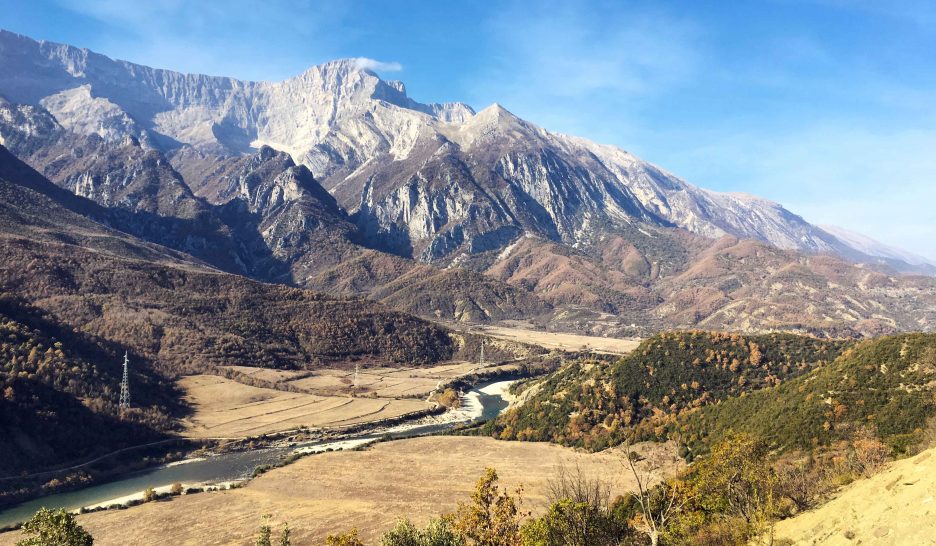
[{"x": 54, "y": 528}]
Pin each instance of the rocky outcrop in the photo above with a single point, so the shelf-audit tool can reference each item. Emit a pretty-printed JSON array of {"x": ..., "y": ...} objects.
[{"x": 431, "y": 181}]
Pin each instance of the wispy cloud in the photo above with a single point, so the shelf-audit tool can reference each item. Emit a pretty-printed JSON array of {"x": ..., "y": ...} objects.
[
  {"x": 549, "y": 59},
  {"x": 240, "y": 38},
  {"x": 364, "y": 63}
]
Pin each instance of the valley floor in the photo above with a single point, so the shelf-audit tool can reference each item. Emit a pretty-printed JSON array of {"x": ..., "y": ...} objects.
[
  {"x": 224, "y": 408},
  {"x": 417, "y": 478}
]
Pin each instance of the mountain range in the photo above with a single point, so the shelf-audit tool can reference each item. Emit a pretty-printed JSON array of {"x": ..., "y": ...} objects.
[{"x": 337, "y": 181}]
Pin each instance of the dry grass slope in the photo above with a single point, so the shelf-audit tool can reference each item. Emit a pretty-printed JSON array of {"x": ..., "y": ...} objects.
[{"x": 894, "y": 507}]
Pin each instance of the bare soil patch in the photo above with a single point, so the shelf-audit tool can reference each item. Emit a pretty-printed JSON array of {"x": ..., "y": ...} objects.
[{"x": 893, "y": 507}]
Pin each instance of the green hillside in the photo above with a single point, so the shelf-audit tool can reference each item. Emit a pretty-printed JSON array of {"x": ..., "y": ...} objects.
[
  {"x": 886, "y": 385},
  {"x": 592, "y": 404}
]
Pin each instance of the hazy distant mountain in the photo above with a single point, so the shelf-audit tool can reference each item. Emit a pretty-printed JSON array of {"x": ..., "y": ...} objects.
[
  {"x": 890, "y": 255},
  {"x": 335, "y": 180}
]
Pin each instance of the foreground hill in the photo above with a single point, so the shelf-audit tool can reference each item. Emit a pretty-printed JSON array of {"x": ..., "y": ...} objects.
[
  {"x": 794, "y": 392},
  {"x": 893, "y": 507}
]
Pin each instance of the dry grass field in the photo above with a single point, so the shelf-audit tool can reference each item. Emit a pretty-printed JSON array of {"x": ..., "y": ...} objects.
[
  {"x": 224, "y": 408},
  {"x": 368, "y": 490},
  {"x": 379, "y": 382},
  {"x": 566, "y": 342}
]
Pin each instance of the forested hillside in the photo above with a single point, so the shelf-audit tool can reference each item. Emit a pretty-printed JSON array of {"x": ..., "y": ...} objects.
[
  {"x": 58, "y": 394},
  {"x": 884, "y": 385},
  {"x": 593, "y": 404},
  {"x": 172, "y": 309}
]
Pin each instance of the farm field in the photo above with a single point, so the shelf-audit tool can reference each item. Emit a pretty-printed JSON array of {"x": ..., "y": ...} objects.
[
  {"x": 379, "y": 382},
  {"x": 224, "y": 408},
  {"x": 562, "y": 341},
  {"x": 367, "y": 490}
]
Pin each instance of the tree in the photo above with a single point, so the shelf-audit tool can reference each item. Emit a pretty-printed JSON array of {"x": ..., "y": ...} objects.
[
  {"x": 438, "y": 532},
  {"x": 737, "y": 483},
  {"x": 58, "y": 528},
  {"x": 868, "y": 453},
  {"x": 737, "y": 478},
  {"x": 175, "y": 489},
  {"x": 659, "y": 505},
  {"x": 264, "y": 538},
  {"x": 579, "y": 513},
  {"x": 149, "y": 494},
  {"x": 571, "y": 523},
  {"x": 493, "y": 517},
  {"x": 284, "y": 537},
  {"x": 404, "y": 533},
  {"x": 345, "y": 539}
]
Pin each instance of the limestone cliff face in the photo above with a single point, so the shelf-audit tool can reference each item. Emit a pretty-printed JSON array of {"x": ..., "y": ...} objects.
[
  {"x": 338, "y": 181},
  {"x": 435, "y": 181}
]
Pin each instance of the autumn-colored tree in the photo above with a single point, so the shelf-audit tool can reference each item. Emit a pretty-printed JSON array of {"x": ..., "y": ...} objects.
[
  {"x": 737, "y": 481},
  {"x": 344, "y": 539},
  {"x": 58, "y": 528},
  {"x": 756, "y": 355},
  {"x": 869, "y": 453},
  {"x": 493, "y": 517}
]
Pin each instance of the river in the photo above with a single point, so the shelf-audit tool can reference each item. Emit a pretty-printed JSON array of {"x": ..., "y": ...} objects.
[{"x": 482, "y": 403}]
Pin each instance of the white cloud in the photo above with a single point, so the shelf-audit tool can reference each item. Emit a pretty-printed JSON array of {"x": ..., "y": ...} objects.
[
  {"x": 363, "y": 63},
  {"x": 583, "y": 67}
]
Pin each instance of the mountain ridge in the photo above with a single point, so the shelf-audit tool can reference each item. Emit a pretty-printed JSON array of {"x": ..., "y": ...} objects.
[
  {"x": 316, "y": 115},
  {"x": 468, "y": 216}
]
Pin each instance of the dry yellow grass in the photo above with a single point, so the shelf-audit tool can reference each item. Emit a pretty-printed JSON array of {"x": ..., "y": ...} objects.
[
  {"x": 894, "y": 507},
  {"x": 387, "y": 382},
  {"x": 566, "y": 342},
  {"x": 227, "y": 409},
  {"x": 266, "y": 374},
  {"x": 379, "y": 382},
  {"x": 368, "y": 490}
]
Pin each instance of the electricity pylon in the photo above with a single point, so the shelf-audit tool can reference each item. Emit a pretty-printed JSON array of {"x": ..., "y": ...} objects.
[{"x": 125, "y": 385}]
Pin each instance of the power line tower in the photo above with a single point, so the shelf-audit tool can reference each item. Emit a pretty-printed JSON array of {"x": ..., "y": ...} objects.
[
  {"x": 357, "y": 373},
  {"x": 481, "y": 359},
  {"x": 125, "y": 385}
]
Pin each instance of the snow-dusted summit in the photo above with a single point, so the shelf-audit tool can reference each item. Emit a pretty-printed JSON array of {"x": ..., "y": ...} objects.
[{"x": 435, "y": 181}]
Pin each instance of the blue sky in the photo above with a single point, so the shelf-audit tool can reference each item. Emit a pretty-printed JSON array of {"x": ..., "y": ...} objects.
[{"x": 827, "y": 106}]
